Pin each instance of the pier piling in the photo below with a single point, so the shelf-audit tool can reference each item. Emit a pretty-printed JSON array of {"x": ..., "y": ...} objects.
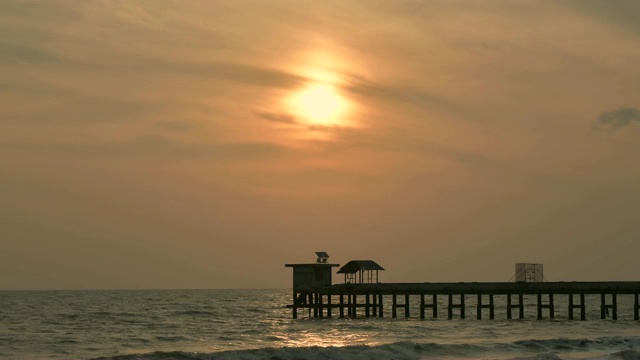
[
  {"x": 354, "y": 311},
  {"x": 456, "y": 306},
  {"x": 609, "y": 309},
  {"x": 485, "y": 306},
  {"x": 519, "y": 305},
  {"x": 367, "y": 306},
  {"x": 580, "y": 306},
  {"x": 406, "y": 305},
  {"x": 549, "y": 305},
  {"x": 375, "y": 304},
  {"x": 433, "y": 305},
  {"x": 394, "y": 304}
]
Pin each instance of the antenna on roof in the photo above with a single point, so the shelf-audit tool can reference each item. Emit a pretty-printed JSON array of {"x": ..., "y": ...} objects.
[{"x": 322, "y": 257}]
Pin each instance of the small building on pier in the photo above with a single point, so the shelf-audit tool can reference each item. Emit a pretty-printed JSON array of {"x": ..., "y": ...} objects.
[
  {"x": 313, "y": 275},
  {"x": 360, "y": 272}
]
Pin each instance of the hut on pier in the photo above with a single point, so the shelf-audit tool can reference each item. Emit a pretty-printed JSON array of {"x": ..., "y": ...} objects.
[
  {"x": 313, "y": 275},
  {"x": 360, "y": 272}
]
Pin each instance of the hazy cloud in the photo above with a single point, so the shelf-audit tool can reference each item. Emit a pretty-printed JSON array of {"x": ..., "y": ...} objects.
[
  {"x": 87, "y": 110},
  {"x": 617, "y": 119},
  {"x": 625, "y": 14},
  {"x": 56, "y": 13},
  {"x": 150, "y": 146},
  {"x": 172, "y": 126},
  {"x": 276, "y": 117},
  {"x": 11, "y": 53},
  {"x": 237, "y": 72},
  {"x": 363, "y": 87}
]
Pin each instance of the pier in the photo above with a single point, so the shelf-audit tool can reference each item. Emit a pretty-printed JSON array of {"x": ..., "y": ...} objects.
[
  {"x": 368, "y": 299},
  {"x": 313, "y": 292}
]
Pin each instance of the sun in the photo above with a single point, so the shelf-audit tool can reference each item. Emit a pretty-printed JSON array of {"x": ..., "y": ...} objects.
[{"x": 319, "y": 104}]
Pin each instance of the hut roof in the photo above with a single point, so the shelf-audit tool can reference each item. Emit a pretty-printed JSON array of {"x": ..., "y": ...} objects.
[{"x": 354, "y": 266}]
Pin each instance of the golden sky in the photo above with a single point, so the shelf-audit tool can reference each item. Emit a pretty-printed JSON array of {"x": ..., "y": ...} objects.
[{"x": 203, "y": 144}]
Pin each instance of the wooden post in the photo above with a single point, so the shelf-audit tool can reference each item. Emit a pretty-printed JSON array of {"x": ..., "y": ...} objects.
[
  {"x": 295, "y": 304},
  {"x": 314, "y": 302},
  {"x": 367, "y": 305},
  {"x": 349, "y": 308},
  {"x": 354, "y": 312},
  {"x": 552, "y": 310},
  {"x": 421, "y": 306},
  {"x": 462, "y": 315},
  {"x": 479, "y": 306},
  {"x": 450, "y": 310},
  {"x": 341, "y": 305},
  {"x": 636, "y": 306},
  {"x": 380, "y": 304},
  {"x": 570, "y": 306},
  {"x": 375, "y": 304},
  {"x": 603, "y": 306},
  {"x": 320, "y": 306},
  {"x": 491, "y": 307},
  {"x": 435, "y": 306},
  {"x": 393, "y": 307},
  {"x": 521, "y": 305},
  {"x": 509, "y": 306},
  {"x": 406, "y": 305},
  {"x": 539, "y": 306},
  {"x": 614, "y": 306},
  {"x": 583, "y": 312},
  {"x": 329, "y": 305}
]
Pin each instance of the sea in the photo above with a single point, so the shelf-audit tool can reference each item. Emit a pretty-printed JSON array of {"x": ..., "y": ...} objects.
[{"x": 255, "y": 324}]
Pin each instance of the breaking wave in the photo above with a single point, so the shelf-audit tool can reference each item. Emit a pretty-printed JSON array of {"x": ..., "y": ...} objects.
[{"x": 626, "y": 348}]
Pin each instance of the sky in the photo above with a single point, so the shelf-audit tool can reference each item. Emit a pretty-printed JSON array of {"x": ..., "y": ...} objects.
[{"x": 204, "y": 144}]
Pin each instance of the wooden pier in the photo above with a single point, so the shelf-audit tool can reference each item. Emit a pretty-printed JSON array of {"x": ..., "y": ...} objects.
[{"x": 352, "y": 300}]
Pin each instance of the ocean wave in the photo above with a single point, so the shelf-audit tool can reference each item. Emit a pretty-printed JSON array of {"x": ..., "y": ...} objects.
[
  {"x": 545, "y": 356},
  {"x": 627, "y": 355},
  {"x": 616, "y": 348},
  {"x": 171, "y": 338},
  {"x": 196, "y": 313},
  {"x": 580, "y": 344}
]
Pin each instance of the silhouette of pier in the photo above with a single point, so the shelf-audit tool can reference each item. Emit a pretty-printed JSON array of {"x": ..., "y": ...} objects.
[
  {"x": 368, "y": 299},
  {"x": 314, "y": 293}
]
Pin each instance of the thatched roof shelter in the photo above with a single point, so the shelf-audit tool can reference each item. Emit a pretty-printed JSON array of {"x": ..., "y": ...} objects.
[{"x": 360, "y": 271}]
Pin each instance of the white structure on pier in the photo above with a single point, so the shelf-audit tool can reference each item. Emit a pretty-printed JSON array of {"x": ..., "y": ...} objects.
[{"x": 526, "y": 272}]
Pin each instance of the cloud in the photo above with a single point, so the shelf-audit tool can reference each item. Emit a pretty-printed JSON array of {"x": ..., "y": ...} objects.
[
  {"x": 616, "y": 119},
  {"x": 361, "y": 86},
  {"x": 151, "y": 146},
  {"x": 87, "y": 110},
  {"x": 231, "y": 71},
  {"x": 10, "y": 53},
  {"x": 276, "y": 117},
  {"x": 625, "y": 14}
]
